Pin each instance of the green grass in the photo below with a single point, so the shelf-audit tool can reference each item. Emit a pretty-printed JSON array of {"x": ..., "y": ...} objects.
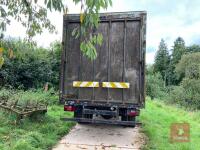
[
  {"x": 46, "y": 131},
  {"x": 38, "y": 134},
  {"x": 156, "y": 120},
  {"x": 31, "y": 96}
]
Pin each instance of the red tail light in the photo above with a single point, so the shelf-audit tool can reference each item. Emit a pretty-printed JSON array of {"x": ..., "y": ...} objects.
[
  {"x": 69, "y": 108},
  {"x": 133, "y": 113}
]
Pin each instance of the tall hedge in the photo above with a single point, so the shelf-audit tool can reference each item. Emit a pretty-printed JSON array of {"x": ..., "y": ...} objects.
[{"x": 29, "y": 66}]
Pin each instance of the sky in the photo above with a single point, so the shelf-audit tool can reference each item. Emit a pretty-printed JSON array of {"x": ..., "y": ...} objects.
[{"x": 167, "y": 19}]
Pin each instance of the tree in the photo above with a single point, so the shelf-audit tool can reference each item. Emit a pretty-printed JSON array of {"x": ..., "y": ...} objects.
[
  {"x": 193, "y": 48},
  {"x": 33, "y": 15},
  {"x": 188, "y": 93},
  {"x": 178, "y": 50},
  {"x": 154, "y": 83},
  {"x": 162, "y": 60},
  {"x": 30, "y": 66},
  {"x": 1, "y": 58},
  {"x": 189, "y": 66}
]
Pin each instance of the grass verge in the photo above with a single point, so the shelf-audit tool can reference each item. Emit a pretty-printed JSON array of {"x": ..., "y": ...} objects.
[
  {"x": 156, "y": 120},
  {"x": 39, "y": 134}
]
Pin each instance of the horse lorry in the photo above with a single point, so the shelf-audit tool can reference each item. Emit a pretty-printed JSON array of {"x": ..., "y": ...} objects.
[{"x": 111, "y": 88}]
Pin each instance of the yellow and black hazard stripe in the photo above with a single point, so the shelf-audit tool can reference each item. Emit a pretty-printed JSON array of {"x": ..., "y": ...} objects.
[
  {"x": 121, "y": 85},
  {"x": 85, "y": 84}
]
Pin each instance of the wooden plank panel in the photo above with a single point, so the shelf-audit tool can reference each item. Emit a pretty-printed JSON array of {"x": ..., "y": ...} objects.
[
  {"x": 86, "y": 75},
  {"x": 101, "y": 63},
  {"x": 132, "y": 59},
  {"x": 116, "y": 59},
  {"x": 72, "y": 60}
]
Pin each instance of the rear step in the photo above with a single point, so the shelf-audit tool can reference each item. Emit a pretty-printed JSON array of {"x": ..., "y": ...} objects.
[{"x": 113, "y": 122}]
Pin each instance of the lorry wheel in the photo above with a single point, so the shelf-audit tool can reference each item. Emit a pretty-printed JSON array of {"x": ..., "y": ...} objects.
[
  {"x": 124, "y": 118},
  {"x": 131, "y": 118},
  {"x": 127, "y": 118},
  {"x": 87, "y": 116},
  {"x": 106, "y": 116},
  {"x": 78, "y": 112}
]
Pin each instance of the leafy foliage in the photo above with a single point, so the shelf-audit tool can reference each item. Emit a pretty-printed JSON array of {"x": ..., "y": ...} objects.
[
  {"x": 192, "y": 93},
  {"x": 188, "y": 93},
  {"x": 154, "y": 84},
  {"x": 33, "y": 16},
  {"x": 183, "y": 71},
  {"x": 89, "y": 19},
  {"x": 162, "y": 60},
  {"x": 189, "y": 66},
  {"x": 1, "y": 57},
  {"x": 88, "y": 47},
  {"x": 30, "y": 66},
  {"x": 165, "y": 64},
  {"x": 178, "y": 50},
  {"x": 193, "y": 48}
]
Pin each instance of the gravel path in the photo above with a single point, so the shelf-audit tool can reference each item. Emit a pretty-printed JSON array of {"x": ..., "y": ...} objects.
[{"x": 102, "y": 137}]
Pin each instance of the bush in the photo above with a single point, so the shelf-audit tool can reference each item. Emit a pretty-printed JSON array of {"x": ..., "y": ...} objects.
[
  {"x": 189, "y": 66},
  {"x": 176, "y": 95},
  {"x": 155, "y": 86},
  {"x": 30, "y": 66},
  {"x": 187, "y": 94}
]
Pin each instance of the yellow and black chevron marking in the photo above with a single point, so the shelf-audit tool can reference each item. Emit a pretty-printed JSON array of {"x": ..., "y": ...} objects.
[
  {"x": 122, "y": 85},
  {"x": 85, "y": 84}
]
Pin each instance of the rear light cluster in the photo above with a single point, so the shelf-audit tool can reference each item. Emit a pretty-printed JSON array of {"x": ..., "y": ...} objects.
[
  {"x": 133, "y": 113},
  {"x": 69, "y": 108}
]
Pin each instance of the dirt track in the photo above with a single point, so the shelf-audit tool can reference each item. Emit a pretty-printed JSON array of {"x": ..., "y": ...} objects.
[{"x": 102, "y": 137}]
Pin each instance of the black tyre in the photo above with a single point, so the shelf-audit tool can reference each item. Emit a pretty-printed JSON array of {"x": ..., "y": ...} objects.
[
  {"x": 131, "y": 118},
  {"x": 78, "y": 113},
  {"x": 127, "y": 118},
  {"x": 124, "y": 118}
]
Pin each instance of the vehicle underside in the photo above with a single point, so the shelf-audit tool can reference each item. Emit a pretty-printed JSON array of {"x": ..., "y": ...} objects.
[{"x": 102, "y": 113}]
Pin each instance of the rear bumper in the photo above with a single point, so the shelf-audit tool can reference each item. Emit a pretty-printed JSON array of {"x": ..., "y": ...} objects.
[
  {"x": 100, "y": 103},
  {"x": 96, "y": 109},
  {"x": 86, "y": 112},
  {"x": 95, "y": 121},
  {"x": 99, "y": 112}
]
